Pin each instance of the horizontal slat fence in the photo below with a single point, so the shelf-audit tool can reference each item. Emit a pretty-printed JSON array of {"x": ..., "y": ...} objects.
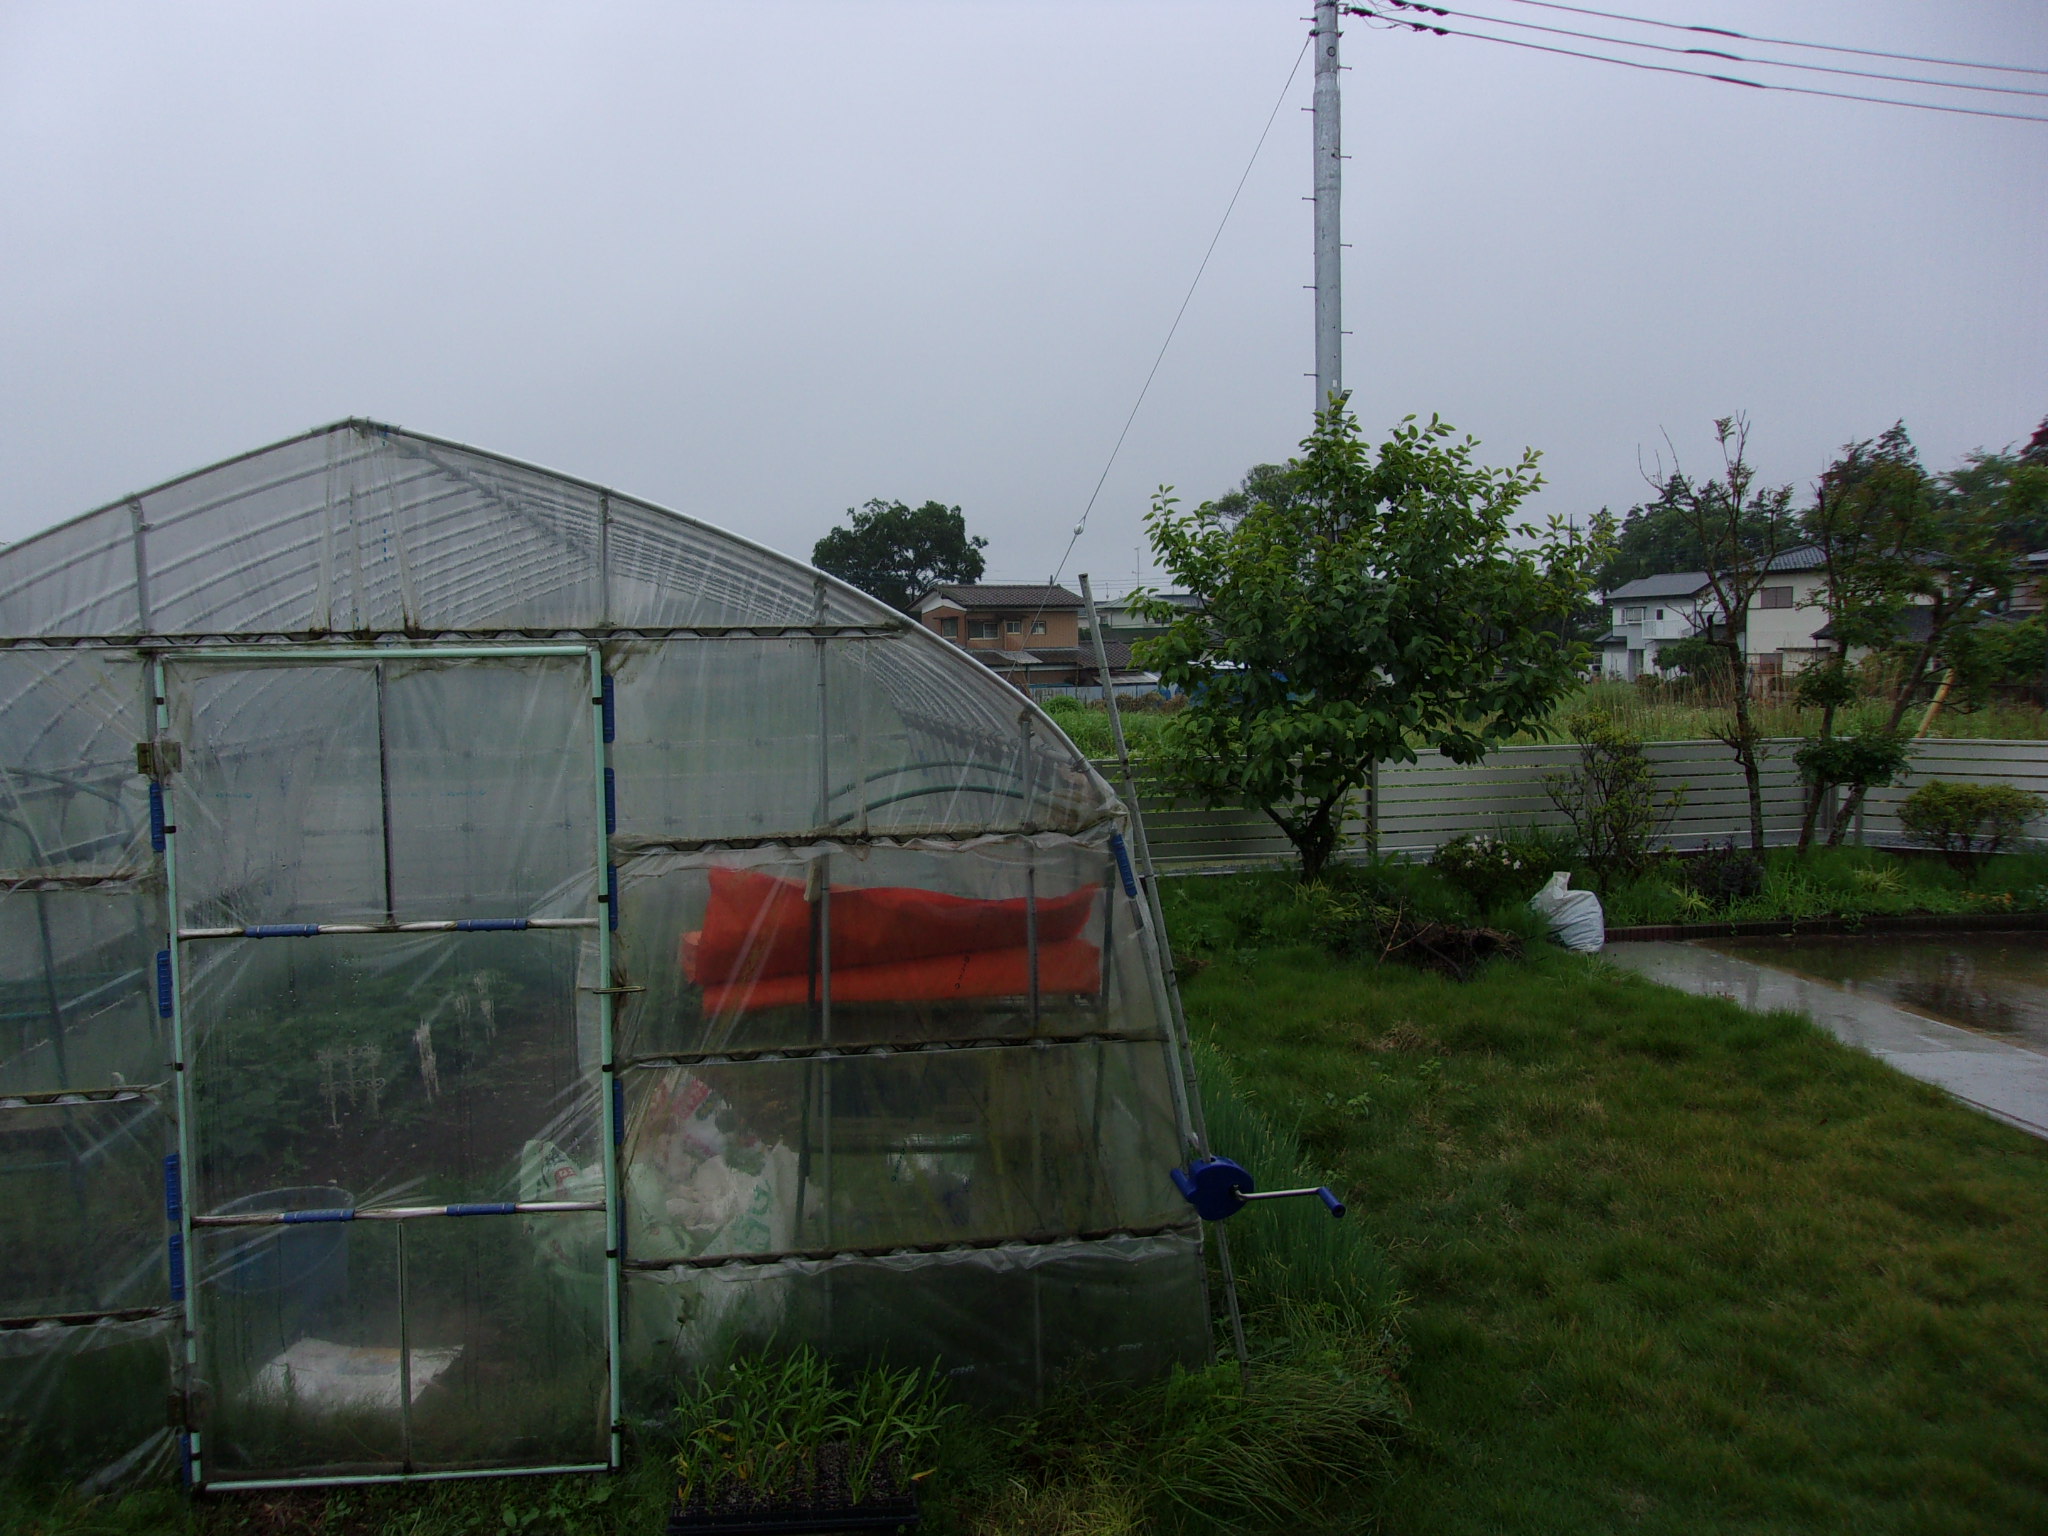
[{"x": 1429, "y": 802}]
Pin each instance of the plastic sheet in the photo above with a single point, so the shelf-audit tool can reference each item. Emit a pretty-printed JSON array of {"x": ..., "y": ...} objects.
[
  {"x": 78, "y": 989},
  {"x": 404, "y": 1068},
  {"x": 72, "y": 804},
  {"x": 898, "y": 1150},
  {"x": 1002, "y": 1322},
  {"x": 82, "y": 1213},
  {"x": 89, "y": 1400}
]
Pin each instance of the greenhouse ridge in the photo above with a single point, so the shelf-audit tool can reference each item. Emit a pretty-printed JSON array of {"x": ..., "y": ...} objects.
[{"x": 477, "y": 948}]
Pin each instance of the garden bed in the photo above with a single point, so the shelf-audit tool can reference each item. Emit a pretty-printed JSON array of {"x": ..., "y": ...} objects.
[{"x": 1787, "y": 927}]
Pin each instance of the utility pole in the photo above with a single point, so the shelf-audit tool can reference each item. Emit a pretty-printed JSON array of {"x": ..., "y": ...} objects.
[{"x": 1329, "y": 185}]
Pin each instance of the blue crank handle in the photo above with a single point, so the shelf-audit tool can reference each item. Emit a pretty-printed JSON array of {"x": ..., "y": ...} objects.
[{"x": 1327, "y": 1196}]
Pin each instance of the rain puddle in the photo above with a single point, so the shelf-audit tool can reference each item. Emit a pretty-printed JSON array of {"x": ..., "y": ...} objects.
[{"x": 1994, "y": 982}]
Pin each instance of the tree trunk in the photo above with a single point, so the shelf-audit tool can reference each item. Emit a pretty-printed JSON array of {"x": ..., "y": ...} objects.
[
  {"x": 1817, "y": 791},
  {"x": 1744, "y": 743}
]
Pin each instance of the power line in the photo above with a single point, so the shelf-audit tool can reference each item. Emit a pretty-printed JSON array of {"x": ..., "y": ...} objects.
[
  {"x": 1782, "y": 42},
  {"x": 1697, "y": 74},
  {"x": 1102, "y": 479},
  {"x": 1733, "y": 58}
]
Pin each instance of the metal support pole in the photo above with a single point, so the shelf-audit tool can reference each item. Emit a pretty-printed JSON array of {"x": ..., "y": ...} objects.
[
  {"x": 611, "y": 1133},
  {"x": 1195, "y": 1127},
  {"x": 1329, "y": 174}
]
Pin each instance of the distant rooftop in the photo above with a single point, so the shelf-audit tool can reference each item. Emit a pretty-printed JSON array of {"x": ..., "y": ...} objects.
[
  {"x": 979, "y": 596},
  {"x": 1670, "y": 584}
]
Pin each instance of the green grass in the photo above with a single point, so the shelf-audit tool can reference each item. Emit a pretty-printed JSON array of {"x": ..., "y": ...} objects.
[
  {"x": 1673, "y": 713},
  {"x": 1670, "y": 1266},
  {"x": 1835, "y": 882}
]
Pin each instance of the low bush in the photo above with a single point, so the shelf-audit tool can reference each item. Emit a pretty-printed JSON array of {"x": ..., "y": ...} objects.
[
  {"x": 1504, "y": 866},
  {"x": 1968, "y": 823}
]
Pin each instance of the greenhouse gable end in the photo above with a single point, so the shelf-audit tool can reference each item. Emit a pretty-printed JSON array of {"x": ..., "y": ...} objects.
[{"x": 477, "y": 948}]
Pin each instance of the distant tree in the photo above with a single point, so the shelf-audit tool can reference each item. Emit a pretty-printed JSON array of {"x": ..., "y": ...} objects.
[
  {"x": 1660, "y": 536},
  {"x": 1385, "y": 604},
  {"x": 894, "y": 552},
  {"x": 1272, "y": 485},
  {"x": 1739, "y": 528}
]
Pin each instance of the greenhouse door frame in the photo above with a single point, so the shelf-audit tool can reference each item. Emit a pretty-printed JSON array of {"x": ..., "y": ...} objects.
[{"x": 171, "y": 989}]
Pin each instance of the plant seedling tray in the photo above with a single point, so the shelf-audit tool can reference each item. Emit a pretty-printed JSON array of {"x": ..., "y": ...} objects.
[{"x": 897, "y": 1512}]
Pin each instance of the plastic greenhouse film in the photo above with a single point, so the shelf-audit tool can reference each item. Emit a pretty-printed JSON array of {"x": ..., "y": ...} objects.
[
  {"x": 78, "y": 997},
  {"x": 400, "y": 1068},
  {"x": 72, "y": 803},
  {"x": 891, "y": 1151},
  {"x": 1003, "y": 1323},
  {"x": 86, "y": 1402}
]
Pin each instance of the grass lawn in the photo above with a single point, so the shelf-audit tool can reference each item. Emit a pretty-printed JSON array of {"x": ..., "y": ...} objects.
[{"x": 1671, "y": 1266}]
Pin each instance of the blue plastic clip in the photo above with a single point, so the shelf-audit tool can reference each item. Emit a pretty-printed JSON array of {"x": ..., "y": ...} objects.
[
  {"x": 282, "y": 931},
  {"x": 163, "y": 983},
  {"x": 611, "y": 802},
  {"x": 618, "y": 1113},
  {"x": 185, "y": 1457},
  {"x": 497, "y": 1208},
  {"x": 610, "y": 696},
  {"x": 491, "y": 925},
  {"x": 174, "y": 1203},
  {"x": 1123, "y": 864},
  {"x": 177, "y": 1252},
  {"x": 611, "y": 892},
  {"x": 336, "y": 1213},
  {"x": 156, "y": 815}
]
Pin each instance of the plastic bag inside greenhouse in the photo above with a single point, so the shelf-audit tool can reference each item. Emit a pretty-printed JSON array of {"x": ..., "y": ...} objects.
[{"x": 477, "y": 950}]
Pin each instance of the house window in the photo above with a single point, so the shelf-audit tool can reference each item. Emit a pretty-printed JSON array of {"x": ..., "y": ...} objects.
[
  {"x": 1660, "y": 613},
  {"x": 950, "y": 628},
  {"x": 1634, "y": 616},
  {"x": 981, "y": 629},
  {"x": 1777, "y": 597},
  {"x": 1014, "y": 626},
  {"x": 1038, "y": 626}
]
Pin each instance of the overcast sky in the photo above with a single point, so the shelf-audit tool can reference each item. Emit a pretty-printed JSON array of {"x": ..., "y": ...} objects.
[{"x": 760, "y": 263}]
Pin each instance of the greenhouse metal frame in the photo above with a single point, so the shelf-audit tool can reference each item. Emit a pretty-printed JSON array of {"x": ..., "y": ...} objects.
[{"x": 477, "y": 949}]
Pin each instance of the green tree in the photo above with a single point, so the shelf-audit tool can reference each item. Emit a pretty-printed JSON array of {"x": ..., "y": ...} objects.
[
  {"x": 894, "y": 552},
  {"x": 1740, "y": 528},
  {"x": 1390, "y": 605},
  {"x": 1915, "y": 563}
]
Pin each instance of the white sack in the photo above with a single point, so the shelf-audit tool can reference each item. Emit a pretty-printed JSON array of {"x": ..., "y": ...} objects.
[{"x": 1575, "y": 916}]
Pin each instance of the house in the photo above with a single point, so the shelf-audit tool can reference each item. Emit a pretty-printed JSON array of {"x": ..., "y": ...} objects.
[
  {"x": 1031, "y": 635},
  {"x": 1649, "y": 613},
  {"x": 1780, "y": 633},
  {"x": 1121, "y": 622}
]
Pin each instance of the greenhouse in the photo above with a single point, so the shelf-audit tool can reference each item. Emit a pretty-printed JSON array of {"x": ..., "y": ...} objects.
[{"x": 476, "y": 948}]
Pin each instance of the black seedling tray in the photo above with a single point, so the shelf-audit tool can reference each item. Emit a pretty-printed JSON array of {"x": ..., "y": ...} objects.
[{"x": 898, "y": 1512}]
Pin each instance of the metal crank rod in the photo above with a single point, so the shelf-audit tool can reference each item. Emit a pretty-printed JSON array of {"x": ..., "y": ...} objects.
[{"x": 1218, "y": 1189}]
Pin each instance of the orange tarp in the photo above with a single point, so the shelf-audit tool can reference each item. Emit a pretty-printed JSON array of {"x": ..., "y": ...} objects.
[{"x": 888, "y": 943}]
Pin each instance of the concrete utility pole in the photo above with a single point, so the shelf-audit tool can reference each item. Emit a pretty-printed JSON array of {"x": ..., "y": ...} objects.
[{"x": 1329, "y": 184}]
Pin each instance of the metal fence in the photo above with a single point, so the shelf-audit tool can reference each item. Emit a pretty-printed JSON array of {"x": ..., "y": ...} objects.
[{"x": 1429, "y": 802}]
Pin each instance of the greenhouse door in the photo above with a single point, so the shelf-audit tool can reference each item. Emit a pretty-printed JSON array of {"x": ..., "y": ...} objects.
[{"x": 389, "y": 996}]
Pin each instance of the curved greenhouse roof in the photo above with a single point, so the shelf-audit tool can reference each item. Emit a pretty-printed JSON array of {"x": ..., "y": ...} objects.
[{"x": 474, "y": 841}]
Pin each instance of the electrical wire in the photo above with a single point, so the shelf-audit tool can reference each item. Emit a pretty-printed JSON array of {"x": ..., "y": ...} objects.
[
  {"x": 1733, "y": 58},
  {"x": 1697, "y": 74},
  {"x": 1236, "y": 192},
  {"x": 1783, "y": 42}
]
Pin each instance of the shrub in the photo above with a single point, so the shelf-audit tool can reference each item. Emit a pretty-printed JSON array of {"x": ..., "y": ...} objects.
[
  {"x": 1968, "y": 823},
  {"x": 1722, "y": 876},
  {"x": 1611, "y": 798},
  {"x": 1506, "y": 867}
]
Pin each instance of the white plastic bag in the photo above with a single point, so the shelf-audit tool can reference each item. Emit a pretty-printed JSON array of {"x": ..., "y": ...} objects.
[{"x": 1575, "y": 916}]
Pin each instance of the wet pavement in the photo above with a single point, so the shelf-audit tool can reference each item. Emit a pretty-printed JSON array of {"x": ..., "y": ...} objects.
[{"x": 2000, "y": 1076}]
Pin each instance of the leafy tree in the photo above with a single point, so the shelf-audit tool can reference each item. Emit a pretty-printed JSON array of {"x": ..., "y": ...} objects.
[
  {"x": 1385, "y": 606},
  {"x": 1611, "y": 799},
  {"x": 1899, "y": 541},
  {"x": 1739, "y": 528},
  {"x": 894, "y": 552}
]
